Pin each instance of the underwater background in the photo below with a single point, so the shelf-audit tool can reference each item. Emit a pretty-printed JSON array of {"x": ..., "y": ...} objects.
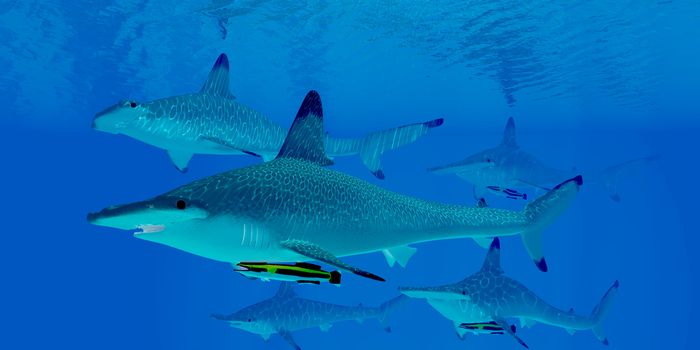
[{"x": 589, "y": 83}]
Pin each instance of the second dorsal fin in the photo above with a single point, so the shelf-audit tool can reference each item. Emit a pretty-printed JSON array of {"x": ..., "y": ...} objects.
[
  {"x": 217, "y": 81},
  {"x": 305, "y": 139}
]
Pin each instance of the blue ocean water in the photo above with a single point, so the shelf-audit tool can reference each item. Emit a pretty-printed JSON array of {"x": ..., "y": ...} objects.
[{"x": 589, "y": 83}]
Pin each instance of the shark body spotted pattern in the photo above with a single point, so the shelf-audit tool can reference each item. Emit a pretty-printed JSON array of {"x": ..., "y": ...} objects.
[
  {"x": 502, "y": 169},
  {"x": 490, "y": 296},
  {"x": 286, "y": 312},
  {"x": 213, "y": 121},
  {"x": 294, "y": 209}
]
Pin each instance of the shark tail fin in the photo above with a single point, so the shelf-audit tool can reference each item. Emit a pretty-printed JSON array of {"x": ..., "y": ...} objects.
[
  {"x": 601, "y": 311},
  {"x": 543, "y": 211},
  {"x": 388, "y": 307},
  {"x": 372, "y": 146},
  {"x": 611, "y": 176}
]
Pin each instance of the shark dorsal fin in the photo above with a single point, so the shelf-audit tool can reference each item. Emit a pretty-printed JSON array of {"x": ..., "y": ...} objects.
[
  {"x": 286, "y": 290},
  {"x": 217, "y": 81},
  {"x": 492, "y": 263},
  {"x": 305, "y": 139},
  {"x": 509, "y": 134}
]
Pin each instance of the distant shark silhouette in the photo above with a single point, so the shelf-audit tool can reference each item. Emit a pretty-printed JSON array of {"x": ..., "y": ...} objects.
[
  {"x": 212, "y": 121},
  {"x": 489, "y": 295},
  {"x": 294, "y": 209},
  {"x": 499, "y": 169},
  {"x": 286, "y": 312}
]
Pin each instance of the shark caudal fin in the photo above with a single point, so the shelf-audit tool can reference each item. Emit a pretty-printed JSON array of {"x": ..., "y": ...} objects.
[
  {"x": 388, "y": 307},
  {"x": 601, "y": 311},
  {"x": 611, "y": 176},
  {"x": 372, "y": 146},
  {"x": 543, "y": 211}
]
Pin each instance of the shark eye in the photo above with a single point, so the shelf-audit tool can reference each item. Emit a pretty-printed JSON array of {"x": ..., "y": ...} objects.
[
  {"x": 249, "y": 320},
  {"x": 181, "y": 204},
  {"x": 133, "y": 104}
]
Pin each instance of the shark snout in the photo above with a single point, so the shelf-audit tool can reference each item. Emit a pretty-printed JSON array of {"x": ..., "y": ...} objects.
[
  {"x": 150, "y": 216},
  {"x": 116, "y": 118}
]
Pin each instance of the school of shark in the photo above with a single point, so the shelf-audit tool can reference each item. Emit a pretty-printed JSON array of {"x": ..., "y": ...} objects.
[{"x": 294, "y": 220}]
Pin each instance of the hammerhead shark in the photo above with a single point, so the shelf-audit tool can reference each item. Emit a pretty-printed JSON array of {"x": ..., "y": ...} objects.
[
  {"x": 294, "y": 209},
  {"x": 286, "y": 312},
  {"x": 501, "y": 169},
  {"x": 212, "y": 121},
  {"x": 491, "y": 296}
]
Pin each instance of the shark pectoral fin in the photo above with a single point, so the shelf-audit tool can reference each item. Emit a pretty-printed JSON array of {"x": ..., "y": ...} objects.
[
  {"x": 217, "y": 81},
  {"x": 287, "y": 336},
  {"x": 506, "y": 328},
  {"x": 180, "y": 159},
  {"x": 313, "y": 251},
  {"x": 305, "y": 139},
  {"x": 532, "y": 184},
  {"x": 483, "y": 242},
  {"x": 400, "y": 254},
  {"x": 221, "y": 144},
  {"x": 433, "y": 293},
  {"x": 325, "y": 327},
  {"x": 266, "y": 156}
]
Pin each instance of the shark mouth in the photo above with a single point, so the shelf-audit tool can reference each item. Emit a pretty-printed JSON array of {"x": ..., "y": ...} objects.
[{"x": 143, "y": 229}]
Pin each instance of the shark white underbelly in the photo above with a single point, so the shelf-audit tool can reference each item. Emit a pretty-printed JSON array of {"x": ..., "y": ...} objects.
[{"x": 294, "y": 209}]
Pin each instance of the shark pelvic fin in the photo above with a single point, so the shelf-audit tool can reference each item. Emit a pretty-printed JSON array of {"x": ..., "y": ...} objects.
[
  {"x": 526, "y": 322},
  {"x": 400, "y": 254},
  {"x": 313, "y": 251},
  {"x": 509, "y": 134},
  {"x": 305, "y": 139},
  {"x": 506, "y": 328},
  {"x": 180, "y": 159},
  {"x": 492, "y": 263},
  {"x": 217, "y": 81},
  {"x": 483, "y": 242},
  {"x": 287, "y": 336}
]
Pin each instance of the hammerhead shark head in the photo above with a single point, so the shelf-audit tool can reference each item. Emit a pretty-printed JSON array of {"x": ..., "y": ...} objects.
[
  {"x": 498, "y": 170},
  {"x": 286, "y": 312},
  {"x": 490, "y": 296},
  {"x": 294, "y": 209},
  {"x": 212, "y": 121}
]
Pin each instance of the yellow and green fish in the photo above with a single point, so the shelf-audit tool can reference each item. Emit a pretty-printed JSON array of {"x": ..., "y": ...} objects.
[
  {"x": 485, "y": 327},
  {"x": 300, "y": 272}
]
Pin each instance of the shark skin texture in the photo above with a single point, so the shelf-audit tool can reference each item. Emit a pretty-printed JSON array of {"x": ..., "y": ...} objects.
[
  {"x": 286, "y": 312},
  {"x": 502, "y": 169},
  {"x": 293, "y": 209},
  {"x": 212, "y": 121},
  {"x": 490, "y": 296}
]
